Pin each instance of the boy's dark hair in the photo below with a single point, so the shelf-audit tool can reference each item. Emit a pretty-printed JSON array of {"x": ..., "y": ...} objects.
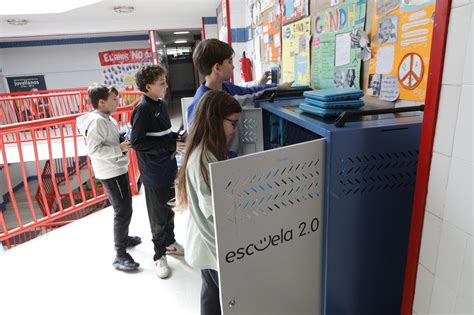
[
  {"x": 113, "y": 90},
  {"x": 98, "y": 92},
  {"x": 209, "y": 52},
  {"x": 149, "y": 74}
]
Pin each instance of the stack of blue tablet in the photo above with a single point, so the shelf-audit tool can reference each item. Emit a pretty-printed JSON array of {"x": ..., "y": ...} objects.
[{"x": 331, "y": 102}]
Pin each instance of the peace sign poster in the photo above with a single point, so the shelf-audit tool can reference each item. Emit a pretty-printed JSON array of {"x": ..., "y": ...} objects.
[{"x": 401, "y": 44}]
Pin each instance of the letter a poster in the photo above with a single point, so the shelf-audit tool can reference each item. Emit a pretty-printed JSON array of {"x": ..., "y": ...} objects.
[
  {"x": 401, "y": 45},
  {"x": 334, "y": 54},
  {"x": 295, "y": 52}
]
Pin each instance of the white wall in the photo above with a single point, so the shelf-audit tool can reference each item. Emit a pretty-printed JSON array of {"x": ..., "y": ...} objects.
[
  {"x": 240, "y": 18},
  {"x": 211, "y": 31},
  {"x": 64, "y": 66},
  {"x": 445, "y": 270}
]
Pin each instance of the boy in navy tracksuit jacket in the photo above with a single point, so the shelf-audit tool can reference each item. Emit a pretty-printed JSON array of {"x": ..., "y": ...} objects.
[
  {"x": 156, "y": 145},
  {"x": 213, "y": 59}
]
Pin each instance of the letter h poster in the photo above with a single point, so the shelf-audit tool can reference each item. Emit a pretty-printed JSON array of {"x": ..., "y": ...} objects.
[
  {"x": 334, "y": 53},
  {"x": 120, "y": 66}
]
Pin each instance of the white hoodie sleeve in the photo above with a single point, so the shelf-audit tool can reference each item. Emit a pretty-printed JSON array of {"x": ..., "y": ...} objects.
[{"x": 96, "y": 136}]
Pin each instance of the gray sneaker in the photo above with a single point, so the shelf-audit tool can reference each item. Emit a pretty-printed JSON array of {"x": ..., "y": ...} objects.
[{"x": 125, "y": 262}]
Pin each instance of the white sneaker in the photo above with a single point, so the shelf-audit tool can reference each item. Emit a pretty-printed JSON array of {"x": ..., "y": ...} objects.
[
  {"x": 162, "y": 269},
  {"x": 175, "y": 249}
]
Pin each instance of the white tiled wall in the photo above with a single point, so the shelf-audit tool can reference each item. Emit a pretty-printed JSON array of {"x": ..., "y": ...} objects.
[{"x": 445, "y": 271}]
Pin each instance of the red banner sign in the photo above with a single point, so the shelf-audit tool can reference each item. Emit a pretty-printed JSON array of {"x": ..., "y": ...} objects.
[{"x": 114, "y": 57}]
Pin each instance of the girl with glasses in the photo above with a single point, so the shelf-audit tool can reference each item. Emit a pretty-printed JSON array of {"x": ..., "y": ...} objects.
[{"x": 215, "y": 122}]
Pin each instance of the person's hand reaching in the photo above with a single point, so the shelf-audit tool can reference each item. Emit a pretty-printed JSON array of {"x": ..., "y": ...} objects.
[
  {"x": 285, "y": 85},
  {"x": 264, "y": 79}
]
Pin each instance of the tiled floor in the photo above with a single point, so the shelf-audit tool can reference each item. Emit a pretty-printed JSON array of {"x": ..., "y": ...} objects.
[{"x": 69, "y": 271}]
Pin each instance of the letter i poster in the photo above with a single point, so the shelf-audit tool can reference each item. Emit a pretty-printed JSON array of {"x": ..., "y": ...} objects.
[
  {"x": 401, "y": 45},
  {"x": 119, "y": 66},
  {"x": 334, "y": 52}
]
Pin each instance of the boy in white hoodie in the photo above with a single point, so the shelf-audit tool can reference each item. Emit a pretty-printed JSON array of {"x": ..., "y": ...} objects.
[{"x": 110, "y": 164}]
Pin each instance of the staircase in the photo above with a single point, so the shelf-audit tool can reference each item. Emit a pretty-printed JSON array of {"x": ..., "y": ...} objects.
[
  {"x": 65, "y": 190},
  {"x": 40, "y": 209}
]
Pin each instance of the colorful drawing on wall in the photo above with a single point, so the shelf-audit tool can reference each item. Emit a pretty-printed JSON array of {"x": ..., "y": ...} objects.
[
  {"x": 401, "y": 44},
  {"x": 271, "y": 41},
  {"x": 334, "y": 53},
  {"x": 295, "y": 52},
  {"x": 119, "y": 66},
  {"x": 293, "y": 10}
]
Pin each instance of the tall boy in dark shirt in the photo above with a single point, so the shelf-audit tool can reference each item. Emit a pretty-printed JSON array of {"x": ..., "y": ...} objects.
[{"x": 156, "y": 145}]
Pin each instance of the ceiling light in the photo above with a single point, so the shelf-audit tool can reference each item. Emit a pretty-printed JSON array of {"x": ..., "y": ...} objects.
[
  {"x": 181, "y": 32},
  {"x": 17, "y": 21},
  {"x": 124, "y": 9},
  {"x": 180, "y": 41}
]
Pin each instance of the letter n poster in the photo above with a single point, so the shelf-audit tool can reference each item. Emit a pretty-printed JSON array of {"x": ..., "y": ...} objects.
[{"x": 401, "y": 44}]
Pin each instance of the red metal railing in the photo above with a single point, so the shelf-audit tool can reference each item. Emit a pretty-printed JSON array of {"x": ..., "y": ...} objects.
[
  {"x": 22, "y": 108},
  {"x": 48, "y": 183},
  {"x": 34, "y": 106},
  {"x": 56, "y": 141},
  {"x": 43, "y": 92}
]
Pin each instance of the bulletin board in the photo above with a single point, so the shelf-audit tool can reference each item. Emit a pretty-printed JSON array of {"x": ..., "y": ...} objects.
[
  {"x": 271, "y": 35},
  {"x": 296, "y": 38},
  {"x": 293, "y": 10},
  {"x": 400, "y": 34},
  {"x": 401, "y": 45},
  {"x": 334, "y": 53},
  {"x": 271, "y": 41}
]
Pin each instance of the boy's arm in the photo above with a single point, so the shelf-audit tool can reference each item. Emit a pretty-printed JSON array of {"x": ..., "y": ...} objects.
[
  {"x": 96, "y": 135},
  {"x": 141, "y": 124},
  {"x": 241, "y": 90}
]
